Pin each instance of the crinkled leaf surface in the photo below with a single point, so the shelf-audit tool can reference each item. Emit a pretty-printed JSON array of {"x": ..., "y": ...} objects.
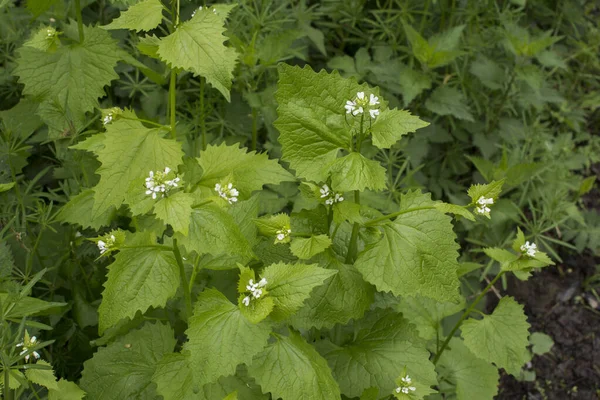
[
  {"x": 130, "y": 152},
  {"x": 175, "y": 210},
  {"x": 197, "y": 46},
  {"x": 501, "y": 337},
  {"x": 139, "y": 278},
  {"x": 290, "y": 285},
  {"x": 292, "y": 369},
  {"x": 356, "y": 172},
  {"x": 383, "y": 346},
  {"x": 123, "y": 369},
  {"x": 416, "y": 254},
  {"x": 391, "y": 125},
  {"x": 249, "y": 171},
  {"x": 473, "y": 377},
  {"x": 143, "y": 16},
  {"x": 220, "y": 337},
  {"x": 73, "y": 76}
]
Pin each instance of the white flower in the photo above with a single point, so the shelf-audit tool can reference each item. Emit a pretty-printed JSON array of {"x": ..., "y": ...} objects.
[
  {"x": 529, "y": 248},
  {"x": 157, "y": 183},
  {"x": 105, "y": 245},
  {"x": 483, "y": 205},
  {"x": 254, "y": 289},
  {"x": 228, "y": 192},
  {"x": 246, "y": 301},
  {"x": 405, "y": 385},
  {"x": 331, "y": 197},
  {"x": 282, "y": 235},
  {"x": 50, "y": 32},
  {"x": 361, "y": 104},
  {"x": 214, "y": 10},
  {"x": 324, "y": 191},
  {"x": 107, "y": 119},
  {"x": 26, "y": 345}
]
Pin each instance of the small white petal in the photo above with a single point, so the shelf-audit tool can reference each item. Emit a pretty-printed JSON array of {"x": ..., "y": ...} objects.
[
  {"x": 374, "y": 113},
  {"x": 246, "y": 301},
  {"x": 360, "y": 95},
  {"x": 167, "y": 170},
  {"x": 373, "y": 100}
]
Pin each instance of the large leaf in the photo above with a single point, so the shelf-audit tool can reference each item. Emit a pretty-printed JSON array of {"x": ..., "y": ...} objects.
[
  {"x": 197, "y": 46},
  {"x": 220, "y": 337},
  {"x": 305, "y": 248},
  {"x": 143, "y": 16},
  {"x": 139, "y": 278},
  {"x": 130, "y": 152},
  {"x": 248, "y": 171},
  {"x": 416, "y": 254},
  {"x": 72, "y": 78},
  {"x": 473, "y": 377},
  {"x": 123, "y": 369},
  {"x": 292, "y": 369},
  {"x": 356, "y": 172},
  {"x": 290, "y": 285},
  {"x": 383, "y": 346},
  {"x": 501, "y": 337},
  {"x": 391, "y": 125},
  {"x": 175, "y": 210}
]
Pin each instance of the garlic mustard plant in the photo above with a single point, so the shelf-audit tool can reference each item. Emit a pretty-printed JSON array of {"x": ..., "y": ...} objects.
[
  {"x": 330, "y": 197},
  {"x": 227, "y": 192},
  {"x": 255, "y": 290},
  {"x": 26, "y": 345},
  {"x": 361, "y": 104},
  {"x": 530, "y": 249},
  {"x": 483, "y": 204},
  {"x": 159, "y": 184}
]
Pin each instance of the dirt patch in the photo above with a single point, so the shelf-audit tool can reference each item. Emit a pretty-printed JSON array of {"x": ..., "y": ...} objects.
[{"x": 559, "y": 303}]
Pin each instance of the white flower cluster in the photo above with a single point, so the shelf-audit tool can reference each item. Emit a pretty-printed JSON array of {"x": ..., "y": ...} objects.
[
  {"x": 529, "y": 248},
  {"x": 26, "y": 345},
  {"x": 105, "y": 246},
  {"x": 214, "y": 10},
  {"x": 406, "y": 388},
  {"x": 228, "y": 192},
  {"x": 50, "y": 32},
  {"x": 158, "y": 183},
  {"x": 330, "y": 196},
  {"x": 282, "y": 234},
  {"x": 483, "y": 205},
  {"x": 255, "y": 290},
  {"x": 107, "y": 119},
  {"x": 361, "y": 104}
]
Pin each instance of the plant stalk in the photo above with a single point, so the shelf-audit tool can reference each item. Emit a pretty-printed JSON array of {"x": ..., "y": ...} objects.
[
  {"x": 202, "y": 113},
  {"x": 79, "y": 20},
  {"x": 254, "y": 129},
  {"x": 465, "y": 315},
  {"x": 184, "y": 283},
  {"x": 352, "y": 249},
  {"x": 172, "y": 100}
]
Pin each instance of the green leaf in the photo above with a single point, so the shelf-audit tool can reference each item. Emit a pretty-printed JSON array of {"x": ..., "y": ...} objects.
[
  {"x": 473, "y": 377},
  {"x": 73, "y": 77},
  {"x": 448, "y": 208},
  {"x": 123, "y": 369},
  {"x": 78, "y": 210},
  {"x": 504, "y": 257},
  {"x": 4, "y": 187},
  {"x": 427, "y": 314},
  {"x": 290, "y": 285},
  {"x": 488, "y": 72},
  {"x": 21, "y": 120},
  {"x": 312, "y": 121},
  {"x": 143, "y": 16},
  {"x": 27, "y": 306},
  {"x": 446, "y": 100},
  {"x": 489, "y": 190},
  {"x": 214, "y": 231},
  {"x": 356, "y": 172},
  {"x": 419, "y": 45},
  {"x": 66, "y": 391},
  {"x": 416, "y": 254},
  {"x": 412, "y": 84},
  {"x": 139, "y": 278},
  {"x": 305, "y": 248},
  {"x": 219, "y": 328},
  {"x": 44, "y": 377},
  {"x": 391, "y": 125},
  {"x": 269, "y": 225},
  {"x": 500, "y": 337},
  {"x": 342, "y": 297},
  {"x": 248, "y": 171},
  {"x": 541, "y": 343},
  {"x": 382, "y": 347},
  {"x": 175, "y": 210},
  {"x": 292, "y": 369},
  {"x": 197, "y": 46},
  {"x": 130, "y": 152},
  {"x": 38, "y": 7}
]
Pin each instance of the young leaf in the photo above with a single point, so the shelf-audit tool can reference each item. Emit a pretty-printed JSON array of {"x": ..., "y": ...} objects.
[
  {"x": 290, "y": 285},
  {"x": 446, "y": 100},
  {"x": 130, "y": 152},
  {"x": 249, "y": 171},
  {"x": 473, "y": 377},
  {"x": 143, "y": 16},
  {"x": 219, "y": 328},
  {"x": 356, "y": 172},
  {"x": 490, "y": 190},
  {"x": 269, "y": 225},
  {"x": 305, "y": 248},
  {"x": 66, "y": 391},
  {"x": 292, "y": 369},
  {"x": 448, "y": 208},
  {"x": 139, "y": 278},
  {"x": 391, "y": 125},
  {"x": 416, "y": 255},
  {"x": 123, "y": 369},
  {"x": 384, "y": 344},
  {"x": 500, "y": 337},
  {"x": 419, "y": 45},
  {"x": 427, "y": 314},
  {"x": 175, "y": 210},
  {"x": 197, "y": 46},
  {"x": 44, "y": 377}
]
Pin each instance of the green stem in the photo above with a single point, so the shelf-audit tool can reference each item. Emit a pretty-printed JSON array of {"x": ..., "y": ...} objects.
[
  {"x": 172, "y": 104},
  {"x": 465, "y": 315},
  {"x": 424, "y": 16},
  {"x": 9, "y": 393},
  {"x": 352, "y": 249},
  {"x": 184, "y": 283},
  {"x": 254, "y": 129},
  {"x": 202, "y": 113},
  {"x": 393, "y": 215},
  {"x": 79, "y": 19}
]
